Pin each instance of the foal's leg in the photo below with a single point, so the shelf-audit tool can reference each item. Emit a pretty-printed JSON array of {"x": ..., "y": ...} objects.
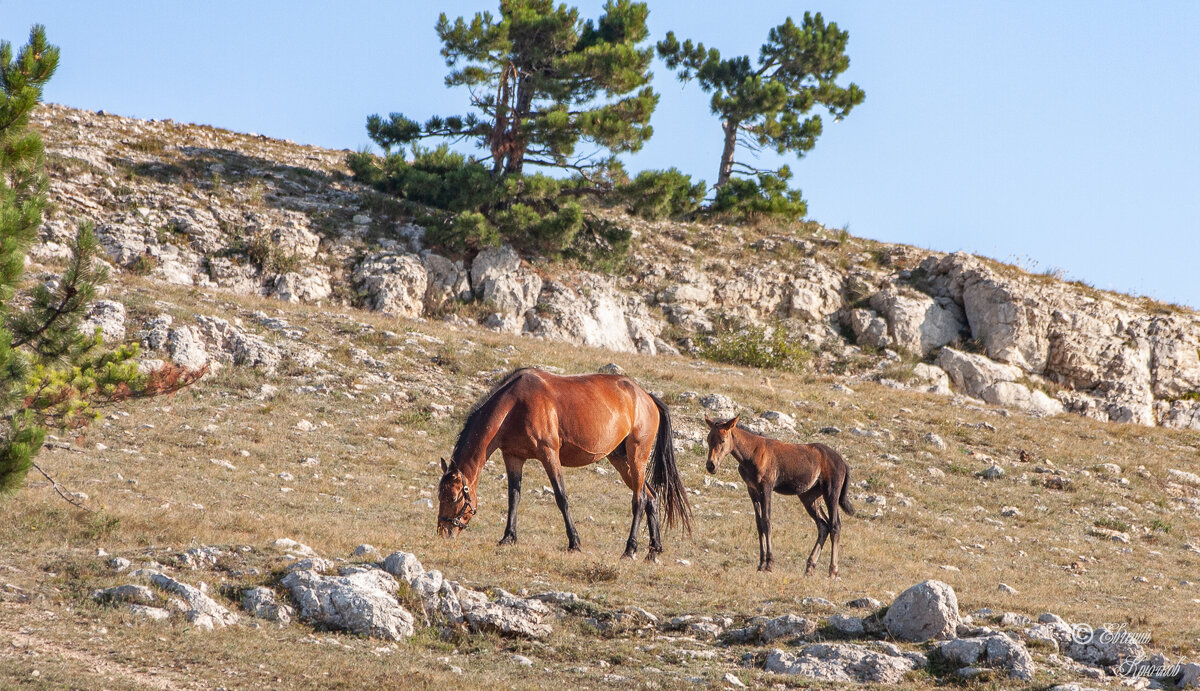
[
  {"x": 513, "y": 467},
  {"x": 766, "y": 512},
  {"x": 809, "y": 500},
  {"x": 554, "y": 472},
  {"x": 758, "y": 524},
  {"x": 835, "y": 526}
]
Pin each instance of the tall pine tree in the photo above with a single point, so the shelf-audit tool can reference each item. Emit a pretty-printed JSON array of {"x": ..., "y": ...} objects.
[
  {"x": 541, "y": 82},
  {"x": 51, "y": 372},
  {"x": 765, "y": 104}
]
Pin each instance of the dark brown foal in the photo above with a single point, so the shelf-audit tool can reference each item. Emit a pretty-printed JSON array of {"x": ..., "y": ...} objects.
[{"x": 810, "y": 471}]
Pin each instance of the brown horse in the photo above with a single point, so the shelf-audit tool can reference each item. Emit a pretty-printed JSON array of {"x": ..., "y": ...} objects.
[
  {"x": 567, "y": 421},
  {"x": 810, "y": 471}
]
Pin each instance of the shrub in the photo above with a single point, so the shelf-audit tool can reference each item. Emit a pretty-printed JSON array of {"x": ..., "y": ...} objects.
[
  {"x": 766, "y": 197},
  {"x": 466, "y": 208},
  {"x": 656, "y": 194},
  {"x": 766, "y": 347}
]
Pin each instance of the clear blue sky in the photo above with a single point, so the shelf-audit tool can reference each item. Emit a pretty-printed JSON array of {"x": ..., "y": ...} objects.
[{"x": 1060, "y": 134}]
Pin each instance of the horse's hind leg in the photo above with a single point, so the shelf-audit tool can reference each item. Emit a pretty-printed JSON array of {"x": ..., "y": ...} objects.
[
  {"x": 832, "y": 492},
  {"x": 809, "y": 500},
  {"x": 633, "y": 472},
  {"x": 513, "y": 467},
  {"x": 656, "y": 547},
  {"x": 554, "y": 472}
]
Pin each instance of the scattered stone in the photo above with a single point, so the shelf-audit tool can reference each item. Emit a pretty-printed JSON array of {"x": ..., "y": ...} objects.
[
  {"x": 788, "y": 625},
  {"x": 132, "y": 594},
  {"x": 865, "y": 603},
  {"x": 847, "y": 626},
  {"x": 992, "y": 473},
  {"x": 365, "y": 551},
  {"x": 202, "y": 610},
  {"x": 733, "y": 681},
  {"x": 1010, "y": 511},
  {"x": 611, "y": 368},
  {"x": 1006, "y": 588},
  {"x": 119, "y": 564},
  {"x": 935, "y": 441}
]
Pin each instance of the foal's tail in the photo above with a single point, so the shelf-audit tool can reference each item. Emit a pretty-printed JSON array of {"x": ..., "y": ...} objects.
[
  {"x": 844, "y": 501},
  {"x": 664, "y": 477}
]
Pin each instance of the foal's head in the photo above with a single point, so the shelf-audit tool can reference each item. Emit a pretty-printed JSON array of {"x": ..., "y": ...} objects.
[
  {"x": 720, "y": 441},
  {"x": 456, "y": 503}
]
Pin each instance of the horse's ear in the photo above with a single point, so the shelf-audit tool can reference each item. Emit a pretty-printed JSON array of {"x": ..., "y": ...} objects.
[
  {"x": 444, "y": 466},
  {"x": 709, "y": 421},
  {"x": 732, "y": 422}
]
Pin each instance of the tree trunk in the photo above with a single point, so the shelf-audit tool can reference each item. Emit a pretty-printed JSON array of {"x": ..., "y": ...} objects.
[
  {"x": 731, "y": 130},
  {"x": 517, "y": 140}
]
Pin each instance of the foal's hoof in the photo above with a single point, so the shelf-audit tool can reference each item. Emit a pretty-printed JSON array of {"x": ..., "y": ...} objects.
[
  {"x": 764, "y": 567},
  {"x": 628, "y": 556},
  {"x": 809, "y": 569},
  {"x": 652, "y": 557},
  {"x": 508, "y": 540},
  {"x": 574, "y": 548}
]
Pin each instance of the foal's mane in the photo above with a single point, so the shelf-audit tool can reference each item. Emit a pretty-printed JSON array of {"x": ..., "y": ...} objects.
[{"x": 475, "y": 415}]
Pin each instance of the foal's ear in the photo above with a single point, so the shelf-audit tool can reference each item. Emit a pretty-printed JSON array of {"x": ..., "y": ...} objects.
[
  {"x": 444, "y": 466},
  {"x": 709, "y": 421},
  {"x": 731, "y": 423}
]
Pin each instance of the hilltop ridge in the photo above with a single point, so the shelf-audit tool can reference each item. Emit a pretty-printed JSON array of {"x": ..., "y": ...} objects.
[{"x": 195, "y": 205}]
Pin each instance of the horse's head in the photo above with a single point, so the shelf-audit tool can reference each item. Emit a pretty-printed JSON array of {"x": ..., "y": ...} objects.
[
  {"x": 456, "y": 502},
  {"x": 720, "y": 441}
]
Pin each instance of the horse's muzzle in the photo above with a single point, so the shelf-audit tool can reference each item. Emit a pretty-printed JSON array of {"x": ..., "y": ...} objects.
[{"x": 711, "y": 467}]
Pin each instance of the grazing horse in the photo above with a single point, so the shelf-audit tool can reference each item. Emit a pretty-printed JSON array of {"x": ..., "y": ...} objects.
[
  {"x": 567, "y": 422},
  {"x": 810, "y": 471}
]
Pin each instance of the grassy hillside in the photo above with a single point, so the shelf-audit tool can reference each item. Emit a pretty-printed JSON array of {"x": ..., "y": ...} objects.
[{"x": 386, "y": 404}]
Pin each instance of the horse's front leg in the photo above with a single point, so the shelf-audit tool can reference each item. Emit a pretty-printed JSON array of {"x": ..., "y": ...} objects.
[
  {"x": 766, "y": 513},
  {"x": 513, "y": 467},
  {"x": 554, "y": 472},
  {"x": 756, "y": 502}
]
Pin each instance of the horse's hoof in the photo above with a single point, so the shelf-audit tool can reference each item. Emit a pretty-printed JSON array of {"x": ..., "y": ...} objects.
[
  {"x": 764, "y": 567},
  {"x": 627, "y": 556},
  {"x": 652, "y": 557},
  {"x": 508, "y": 540},
  {"x": 574, "y": 548}
]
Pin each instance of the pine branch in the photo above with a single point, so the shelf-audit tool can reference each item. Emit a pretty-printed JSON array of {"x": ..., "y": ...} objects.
[{"x": 67, "y": 496}]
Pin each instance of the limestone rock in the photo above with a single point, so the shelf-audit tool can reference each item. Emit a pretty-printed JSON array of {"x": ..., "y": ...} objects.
[
  {"x": 845, "y": 662},
  {"x": 392, "y": 283},
  {"x": 109, "y": 317},
  {"x": 263, "y": 604},
  {"x": 925, "y": 611},
  {"x": 919, "y": 323},
  {"x": 202, "y": 610},
  {"x": 186, "y": 347},
  {"x": 362, "y": 602},
  {"x": 447, "y": 281},
  {"x": 403, "y": 565},
  {"x": 499, "y": 280},
  {"x": 996, "y": 650},
  {"x": 310, "y": 286}
]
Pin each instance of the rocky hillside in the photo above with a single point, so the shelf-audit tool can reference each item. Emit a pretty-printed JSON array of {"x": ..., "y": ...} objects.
[{"x": 194, "y": 205}]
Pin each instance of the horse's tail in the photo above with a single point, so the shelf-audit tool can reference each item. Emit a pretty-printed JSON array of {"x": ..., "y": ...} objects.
[
  {"x": 844, "y": 500},
  {"x": 664, "y": 477}
]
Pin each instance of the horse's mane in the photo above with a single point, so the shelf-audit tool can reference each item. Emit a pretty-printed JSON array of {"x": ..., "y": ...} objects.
[{"x": 476, "y": 413}]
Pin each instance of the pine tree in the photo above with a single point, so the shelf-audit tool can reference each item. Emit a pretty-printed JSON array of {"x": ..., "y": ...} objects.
[
  {"x": 762, "y": 105},
  {"x": 542, "y": 81},
  {"x": 51, "y": 373}
]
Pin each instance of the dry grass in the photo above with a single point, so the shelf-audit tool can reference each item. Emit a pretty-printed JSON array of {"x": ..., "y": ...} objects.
[{"x": 157, "y": 493}]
